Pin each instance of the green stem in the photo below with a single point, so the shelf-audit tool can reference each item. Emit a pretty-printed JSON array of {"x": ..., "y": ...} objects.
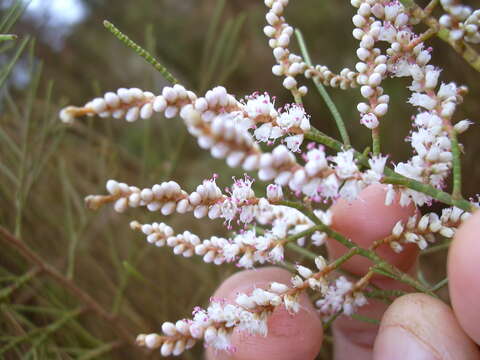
[
  {"x": 7, "y": 37},
  {"x": 430, "y": 7},
  {"x": 386, "y": 269},
  {"x": 439, "y": 285},
  {"x": 366, "y": 319},
  {"x": 345, "y": 257},
  {"x": 397, "y": 179},
  {"x": 329, "y": 323},
  {"x": 297, "y": 97},
  {"x": 302, "y": 234},
  {"x": 381, "y": 265},
  {"x": 376, "y": 141},
  {"x": 302, "y": 251},
  {"x": 317, "y": 136},
  {"x": 323, "y": 93},
  {"x": 19, "y": 282},
  {"x": 303, "y": 209},
  {"x": 140, "y": 51},
  {"x": 101, "y": 350},
  {"x": 436, "y": 248},
  {"x": 385, "y": 294},
  {"x": 457, "y": 166}
]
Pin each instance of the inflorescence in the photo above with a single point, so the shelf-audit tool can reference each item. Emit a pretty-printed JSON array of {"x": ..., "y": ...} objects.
[{"x": 300, "y": 177}]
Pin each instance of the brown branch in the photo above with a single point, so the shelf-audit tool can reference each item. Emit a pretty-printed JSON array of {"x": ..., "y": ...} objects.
[{"x": 68, "y": 284}]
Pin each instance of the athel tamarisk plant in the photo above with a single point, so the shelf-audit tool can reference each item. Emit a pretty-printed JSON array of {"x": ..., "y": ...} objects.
[{"x": 300, "y": 179}]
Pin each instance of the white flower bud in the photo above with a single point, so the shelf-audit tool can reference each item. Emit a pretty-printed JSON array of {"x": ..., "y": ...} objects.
[
  {"x": 278, "y": 288},
  {"x": 289, "y": 83},
  {"x": 166, "y": 349},
  {"x": 367, "y": 91},
  {"x": 152, "y": 341},
  {"x": 375, "y": 79},
  {"x": 160, "y": 104},
  {"x": 363, "y": 108},
  {"x": 304, "y": 271},
  {"x": 358, "y": 33},
  {"x": 364, "y": 10},
  {"x": 269, "y": 31},
  {"x": 398, "y": 229},
  {"x": 358, "y": 21},
  {"x": 381, "y": 109},
  {"x": 462, "y": 126},
  {"x": 98, "y": 105},
  {"x": 320, "y": 262},
  {"x": 363, "y": 53}
]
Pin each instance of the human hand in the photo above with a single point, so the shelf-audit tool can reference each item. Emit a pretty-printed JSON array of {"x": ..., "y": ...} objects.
[{"x": 415, "y": 326}]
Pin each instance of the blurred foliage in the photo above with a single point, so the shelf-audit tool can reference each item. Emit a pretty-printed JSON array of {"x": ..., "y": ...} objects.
[{"x": 47, "y": 169}]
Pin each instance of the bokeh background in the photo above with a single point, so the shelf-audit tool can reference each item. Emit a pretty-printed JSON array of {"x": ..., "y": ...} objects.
[{"x": 64, "y": 56}]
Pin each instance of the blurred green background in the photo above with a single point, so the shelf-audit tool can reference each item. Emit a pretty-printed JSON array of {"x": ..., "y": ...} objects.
[{"x": 64, "y": 56}]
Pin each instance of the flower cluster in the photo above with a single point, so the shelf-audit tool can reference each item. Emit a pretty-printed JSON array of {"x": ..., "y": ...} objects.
[
  {"x": 168, "y": 197},
  {"x": 250, "y": 312},
  {"x": 461, "y": 20},
  {"x": 421, "y": 230},
  {"x": 340, "y": 297},
  {"x": 271, "y": 124},
  {"x": 304, "y": 170},
  {"x": 247, "y": 248}
]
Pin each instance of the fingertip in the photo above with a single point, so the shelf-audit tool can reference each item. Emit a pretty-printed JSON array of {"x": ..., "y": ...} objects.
[
  {"x": 417, "y": 326},
  {"x": 463, "y": 269},
  {"x": 297, "y": 336},
  {"x": 366, "y": 220}
]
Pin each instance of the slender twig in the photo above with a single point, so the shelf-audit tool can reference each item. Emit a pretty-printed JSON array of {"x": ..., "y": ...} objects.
[
  {"x": 376, "y": 141},
  {"x": 439, "y": 285},
  {"x": 309, "y": 231},
  {"x": 68, "y": 284},
  {"x": 140, "y": 51},
  {"x": 7, "y": 37},
  {"x": 434, "y": 249},
  {"x": 323, "y": 92},
  {"x": 303, "y": 209},
  {"x": 381, "y": 265},
  {"x": 301, "y": 250},
  {"x": 101, "y": 350},
  {"x": 330, "y": 321},
  {"x": 19, "y": 282},
  {"x": 365, "y": 319},
  {"x": 385, "y": 294},
  {"x": 430, "y": 7},
  {"x": 457, "y": 165}
]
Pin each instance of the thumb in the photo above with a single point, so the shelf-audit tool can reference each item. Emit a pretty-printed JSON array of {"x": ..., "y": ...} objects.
[{"x": 364, "y": 221}]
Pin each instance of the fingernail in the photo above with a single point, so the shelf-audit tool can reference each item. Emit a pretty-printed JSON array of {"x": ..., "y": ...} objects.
[{"x": 396, "y": 343}]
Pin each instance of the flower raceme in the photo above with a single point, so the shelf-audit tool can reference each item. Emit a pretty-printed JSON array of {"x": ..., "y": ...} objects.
[{"x": 300, "y": 177}]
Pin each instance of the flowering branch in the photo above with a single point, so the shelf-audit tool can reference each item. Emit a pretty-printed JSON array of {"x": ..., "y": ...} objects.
[
  {"x": 382, "y": 265},
  {"x": 457, "y": 165},
  {"x": 422, "y": 230},
  {"x": 246, "y": 248},
  {"x": 391, "y": 177},
  {"x": 468, "y": 53}
]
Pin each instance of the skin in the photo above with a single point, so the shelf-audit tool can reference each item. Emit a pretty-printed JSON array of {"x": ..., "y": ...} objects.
[{"x": 415, "y": 326}]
